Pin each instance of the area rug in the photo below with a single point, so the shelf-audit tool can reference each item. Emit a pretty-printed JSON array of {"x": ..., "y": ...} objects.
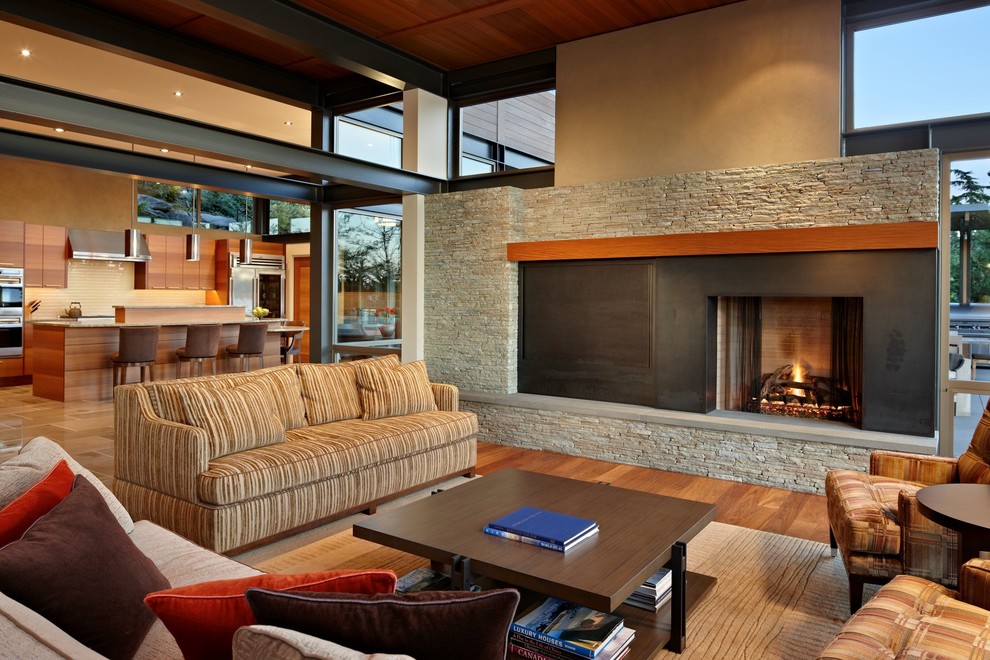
[{"x": 776, "y": 597}]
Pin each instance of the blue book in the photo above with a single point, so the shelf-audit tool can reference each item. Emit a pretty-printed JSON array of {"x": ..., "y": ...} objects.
[
  {"x": 539, "y": 542},
  {"x": 542, "y": 525}
]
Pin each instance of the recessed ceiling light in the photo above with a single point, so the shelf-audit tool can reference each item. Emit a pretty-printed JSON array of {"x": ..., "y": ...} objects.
[
  {"x": 164, "y": 151},
  {"x": 287, "y": 123},
  {"x": 60, "y": 130},
  {"x": 177, "y": 92},
  {"x": 247, "y": 167},
  {"x": 26, "y": 52}
]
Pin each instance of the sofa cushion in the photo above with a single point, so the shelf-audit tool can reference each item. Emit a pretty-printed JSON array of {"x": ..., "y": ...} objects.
[
  {"x": 203, "y": 617},
  {"x": 39, "y": 499},
  {"x": 27, "y": 634},
  {"x": 273, "y": 643},
  {"x": 329, "y": 392},
  {"x": 281, "y": 384},
  {"x": 433, "y": 624},
  {"x": 322, "y": 452},
  {"x": 234, "y": 420},
  {"x": 390, "y": 391},
  {"x": 76, "y": 567},
  {"x": 35, "y": 460}
]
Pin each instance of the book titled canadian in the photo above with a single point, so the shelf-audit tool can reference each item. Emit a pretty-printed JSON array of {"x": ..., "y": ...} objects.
[
  {"x": 564, "y": 625},
  {"x": 548, "y": 529}
]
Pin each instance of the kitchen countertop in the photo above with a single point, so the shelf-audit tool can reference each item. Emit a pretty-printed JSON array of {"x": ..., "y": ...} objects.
[
  {"x": 174, "y": 306},
  {"x": 113, "y": 324}
]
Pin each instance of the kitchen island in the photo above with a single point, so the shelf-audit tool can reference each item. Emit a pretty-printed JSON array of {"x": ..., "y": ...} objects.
[{"x": 72, "y": 358}]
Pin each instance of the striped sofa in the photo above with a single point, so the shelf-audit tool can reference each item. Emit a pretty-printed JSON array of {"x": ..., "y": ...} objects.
[
  {"x": 235, "y": 460},
  {"x": 914, "y": 618}
]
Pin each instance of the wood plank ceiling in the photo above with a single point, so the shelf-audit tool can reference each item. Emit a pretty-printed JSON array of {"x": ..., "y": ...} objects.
[{"x": 449, "y": 34}]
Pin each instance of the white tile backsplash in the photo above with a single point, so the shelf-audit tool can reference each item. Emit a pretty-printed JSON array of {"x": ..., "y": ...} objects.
[{"x": 99, "y": 285}]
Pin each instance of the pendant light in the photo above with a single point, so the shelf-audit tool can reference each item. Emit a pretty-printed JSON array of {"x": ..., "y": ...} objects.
[
  {"x": 192, "y": 240},
  {"x": 132, "y": 236},
  {"x": 247, "y": 245}
]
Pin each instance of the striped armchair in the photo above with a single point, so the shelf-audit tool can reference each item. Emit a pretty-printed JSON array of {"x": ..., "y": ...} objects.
[
  {"x": 874, "y": 519},
  {"x": 914, "y": 618}
]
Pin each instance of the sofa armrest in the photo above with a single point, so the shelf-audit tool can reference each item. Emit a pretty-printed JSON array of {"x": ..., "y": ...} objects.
[
  {"x": 153, "y": 452},
  {"x": 447, "y": 396},
  {"x": 918, "y": 468},
  {"x": 974, "y": 583}
]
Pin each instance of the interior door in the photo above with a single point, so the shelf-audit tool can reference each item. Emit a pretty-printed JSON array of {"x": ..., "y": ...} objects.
[{"x": 300, "y": 300}]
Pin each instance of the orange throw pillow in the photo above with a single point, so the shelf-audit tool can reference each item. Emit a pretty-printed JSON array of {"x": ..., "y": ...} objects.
[
  {"x": 204, "y": 617},
  {"x": 36, "y": 501}
]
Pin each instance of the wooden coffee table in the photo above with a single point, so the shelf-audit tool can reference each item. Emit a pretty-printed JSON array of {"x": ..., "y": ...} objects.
[{"x": 639, "y": 533}]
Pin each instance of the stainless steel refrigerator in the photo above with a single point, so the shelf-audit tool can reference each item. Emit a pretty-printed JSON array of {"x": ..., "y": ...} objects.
[{"x": 258, "y": 286}]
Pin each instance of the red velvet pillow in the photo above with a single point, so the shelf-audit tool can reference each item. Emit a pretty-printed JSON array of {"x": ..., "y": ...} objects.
[
  {"x": 36, "y": 501},
  {"x": 204, "y": 617}
]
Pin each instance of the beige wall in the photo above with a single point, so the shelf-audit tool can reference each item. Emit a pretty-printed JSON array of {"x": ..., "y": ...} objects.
[
  {"x": 752, "y": 83},
  {"x": 46, "y": 194}
]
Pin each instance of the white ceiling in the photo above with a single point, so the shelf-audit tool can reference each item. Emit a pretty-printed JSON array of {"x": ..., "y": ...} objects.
[{"x": 64, "y": 64}]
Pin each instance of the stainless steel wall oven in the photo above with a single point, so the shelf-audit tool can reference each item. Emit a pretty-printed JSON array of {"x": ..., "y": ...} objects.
[{"x": 11, "y": 312}]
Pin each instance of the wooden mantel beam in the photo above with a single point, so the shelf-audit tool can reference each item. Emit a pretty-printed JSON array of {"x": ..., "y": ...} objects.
[{"x": 891, "y": 236}]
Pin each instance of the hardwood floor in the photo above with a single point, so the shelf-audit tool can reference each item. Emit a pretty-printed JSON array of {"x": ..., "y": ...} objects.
[{"x": 86, "y": 432}]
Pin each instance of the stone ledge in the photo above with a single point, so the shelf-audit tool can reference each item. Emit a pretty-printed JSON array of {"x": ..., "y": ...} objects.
[{"x": 759, "y": 425}]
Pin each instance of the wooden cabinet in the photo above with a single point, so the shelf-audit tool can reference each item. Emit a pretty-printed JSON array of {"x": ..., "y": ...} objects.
[
  {"x": 11, "y": 244},
  {"x": 45, "y": 260},
  {"x": 168, "y": 268},
  {"x": 28, "y": 349}
]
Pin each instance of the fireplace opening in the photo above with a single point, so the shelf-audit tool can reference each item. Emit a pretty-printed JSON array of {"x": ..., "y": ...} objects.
[{"x": 791, "y": 356}]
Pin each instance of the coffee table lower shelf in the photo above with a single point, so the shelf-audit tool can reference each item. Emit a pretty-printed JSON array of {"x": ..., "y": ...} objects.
[{"x": 653, "y": 629}]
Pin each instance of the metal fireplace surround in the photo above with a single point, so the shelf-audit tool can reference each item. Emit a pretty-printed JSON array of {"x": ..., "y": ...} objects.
[{"x": 642, "y": 331}]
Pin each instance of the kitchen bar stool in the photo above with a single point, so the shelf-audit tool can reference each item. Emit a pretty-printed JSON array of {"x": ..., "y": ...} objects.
[
  {"x": 137, "y": 347},
  {"x": 202, "y": 342},
  {"x": 250, "y": 343}
]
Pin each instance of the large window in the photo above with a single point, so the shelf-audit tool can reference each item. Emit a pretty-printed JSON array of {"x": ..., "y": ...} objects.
[
  {"x": 509, "y": 134},
  {"x": 369, "y": 275},
  {"x": 373, "y": 135},
  {"x": 287, "y": 217},
  {"x": 170, "y": 204},
  {"x": 921, "y": 70}
]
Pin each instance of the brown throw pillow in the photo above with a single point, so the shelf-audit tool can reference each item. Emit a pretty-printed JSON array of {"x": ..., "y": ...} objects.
[
  {"x": 234, "y": 420},
  {"x": 393, "y": 391},
  {"x": 78, "y": 568},
  {"x": 430, "y": 625}
]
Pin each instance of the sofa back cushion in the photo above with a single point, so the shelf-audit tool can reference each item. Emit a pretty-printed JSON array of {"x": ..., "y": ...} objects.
[
  {"x": 234, "y": 420},
  {"x": 330, "y": 391},
  {"x": 281, "y": 384},
  {"x": 394, "y": 390}
]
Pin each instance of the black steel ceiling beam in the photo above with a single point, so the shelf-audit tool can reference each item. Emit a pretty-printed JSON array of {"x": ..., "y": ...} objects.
[
  {"x": 38, "y": 104},
  {"x": 356, "y": 93},
  {"x": 93, "y": 27},
  {"x": 57, "y": 150},
  {"x": 343, "y": 196},
  {"x": 322, "y": 38},
  {"x": 514, "y": 76}
]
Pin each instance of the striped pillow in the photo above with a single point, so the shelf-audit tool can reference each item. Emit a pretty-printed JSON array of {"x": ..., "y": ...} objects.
[
  {"x": 392, "y": 391},
  {"x": 281, "y": 386},
  {"x": 234, "y": 420},
  {"x": 329, "y": 392}
]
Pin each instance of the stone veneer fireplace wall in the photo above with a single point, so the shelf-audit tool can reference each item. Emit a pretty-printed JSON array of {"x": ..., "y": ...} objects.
[{"x": 471, "y": 301}]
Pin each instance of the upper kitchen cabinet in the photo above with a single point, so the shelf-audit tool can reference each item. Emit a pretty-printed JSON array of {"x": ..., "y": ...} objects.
[
  {"x": 11, "y": 244},
  {"x": 168, "y": 268},
  {"x": 45, "y": 261}
]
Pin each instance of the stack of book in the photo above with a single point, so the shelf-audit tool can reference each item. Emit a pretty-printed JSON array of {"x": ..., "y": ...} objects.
[
  {"x": 557, "y": 630},
  {"x": 547, "y": 529},
  {"x": 652, "y": 594}
]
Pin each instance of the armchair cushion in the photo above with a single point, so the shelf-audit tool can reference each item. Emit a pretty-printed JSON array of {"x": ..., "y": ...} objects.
[
  {"x": 918, "y": 468},
  {"x": 912, "y": 617},
  {"x": 862, "y": 511}
]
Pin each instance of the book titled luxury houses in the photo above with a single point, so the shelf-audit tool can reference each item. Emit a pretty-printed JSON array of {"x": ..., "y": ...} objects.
[
  {"x": 564, "y": 625},
  {"x": 557, "y": 531}
]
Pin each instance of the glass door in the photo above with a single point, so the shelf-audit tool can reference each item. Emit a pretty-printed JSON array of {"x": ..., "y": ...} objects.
[{"x": 965, "y": 272}]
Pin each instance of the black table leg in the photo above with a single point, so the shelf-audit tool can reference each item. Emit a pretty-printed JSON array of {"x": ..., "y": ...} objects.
[{"x": 678, "y": 597}]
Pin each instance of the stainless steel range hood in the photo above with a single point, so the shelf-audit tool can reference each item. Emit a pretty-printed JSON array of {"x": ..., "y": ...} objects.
[{"x": 103, "y": 246}]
